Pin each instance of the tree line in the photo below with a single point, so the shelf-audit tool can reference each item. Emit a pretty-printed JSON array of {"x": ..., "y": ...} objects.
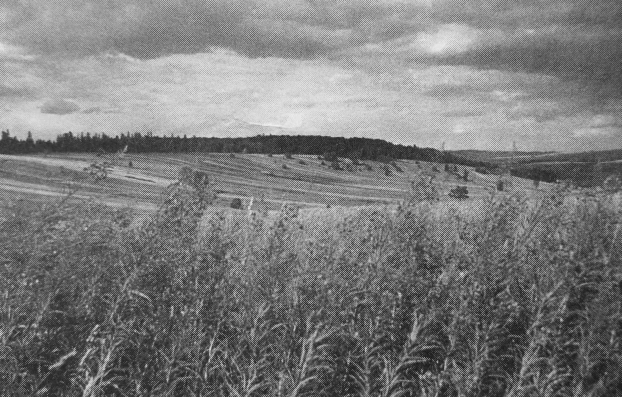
[{"x": 356, "y": 148}]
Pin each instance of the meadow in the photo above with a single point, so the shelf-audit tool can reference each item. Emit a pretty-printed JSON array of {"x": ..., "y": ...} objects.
[
  {"x": 302, "y": 180},
  {"x": 507, "y": 295}
]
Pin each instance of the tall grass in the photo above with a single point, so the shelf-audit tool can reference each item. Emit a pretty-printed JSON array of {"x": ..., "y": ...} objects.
[{"x": 515, "y": 298}]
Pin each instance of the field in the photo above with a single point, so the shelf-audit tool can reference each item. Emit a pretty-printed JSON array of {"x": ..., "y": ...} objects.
[
  {"x": 384, "y": 293},
  {"x": 302, "y": 180}
]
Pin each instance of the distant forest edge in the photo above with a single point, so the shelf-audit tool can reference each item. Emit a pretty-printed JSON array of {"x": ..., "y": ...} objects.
[{"x": 359, "y": 148}]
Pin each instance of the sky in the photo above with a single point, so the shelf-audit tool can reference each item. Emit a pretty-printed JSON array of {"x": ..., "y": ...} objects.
[{"x": 475, "y": 74}]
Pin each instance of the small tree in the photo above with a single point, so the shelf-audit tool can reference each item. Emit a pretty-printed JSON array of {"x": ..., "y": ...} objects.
[
  {"x": 397, "y": 167},
  {"x": 236, "y": 203},
  {"x": 500, "y": 186},
  {"x": 131, "y": 164},
  {"x": 465, "y": 175},
  {"x": 459, "y": 192},
  {"x": 447, "y": 168},
  {"x": 330, "y": 156},
  {"x": 423, "y": 189}
]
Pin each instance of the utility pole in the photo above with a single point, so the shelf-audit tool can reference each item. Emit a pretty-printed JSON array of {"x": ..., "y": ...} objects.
[{"x": 512, "y": 163}]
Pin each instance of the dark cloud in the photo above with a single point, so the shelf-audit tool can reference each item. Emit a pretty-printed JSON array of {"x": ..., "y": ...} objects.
[
  {"x": 512, "y": 14},
  {"x": 593, "y": 60},
  {"x": 572, "y": 39},
  {"x": 60, "y": 107},
  {"x": 13, "y": 92},
  {"x": 149, "y": 29}
]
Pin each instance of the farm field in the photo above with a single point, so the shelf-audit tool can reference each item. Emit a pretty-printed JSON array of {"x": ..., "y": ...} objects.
[{"x": 270, "y": 181}]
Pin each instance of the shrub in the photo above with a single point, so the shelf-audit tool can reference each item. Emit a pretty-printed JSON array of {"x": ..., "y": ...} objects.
[
  {"x": 284, "y": 166},
  {"x": 288, "y": 156},
  {"x": 302, "y": 162},
  {"x": 236, "y": 203},
  {"x": 422, "y": 189},
  {"x": 459, "y": 192},
  {"x": 397, "y": 167},
  {"x": 330, "y": 156},
  {"x": 335, "y": 165},
  {"x": 232, "y": 155}
]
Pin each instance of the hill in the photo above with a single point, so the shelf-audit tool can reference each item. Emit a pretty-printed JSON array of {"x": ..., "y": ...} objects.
[{"x": 329, "y": 147}]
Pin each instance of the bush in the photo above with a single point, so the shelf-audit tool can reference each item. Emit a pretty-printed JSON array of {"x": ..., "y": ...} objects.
[
  {"x": 459, "y": 192},
  {"x": 330, "y": 156},
  {"x": 288, "y": 156},
  {"x": 284, "y": 166},
  {"x": 302, "y": 162},
  {"x": 236, "y": 204},
  {"x": 397, "y": 167}
]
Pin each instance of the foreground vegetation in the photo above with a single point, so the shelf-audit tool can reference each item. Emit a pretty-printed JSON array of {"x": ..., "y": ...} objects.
[{"x": 516, "y": 297}]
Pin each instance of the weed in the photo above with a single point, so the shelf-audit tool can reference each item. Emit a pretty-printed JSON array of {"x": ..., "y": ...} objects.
[{"x": 511, "y": 297}]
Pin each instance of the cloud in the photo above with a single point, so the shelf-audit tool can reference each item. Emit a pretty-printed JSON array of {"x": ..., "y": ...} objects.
[
  {"x": 59, "y": 107},
  {"x": 452, "y": 90},
  {"x": 14, "y": 92},
  {"x": 464, "y": 113},
  {"x": 286, "y": 28},
  {"x": 94, "y": 109}
]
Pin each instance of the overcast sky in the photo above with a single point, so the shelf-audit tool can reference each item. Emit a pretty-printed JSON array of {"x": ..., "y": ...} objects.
[{"x": 473, "y": 73}]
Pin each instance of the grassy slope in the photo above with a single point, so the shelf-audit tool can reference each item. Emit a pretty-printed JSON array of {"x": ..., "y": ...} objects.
[{"x": 243, "y": 176}]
